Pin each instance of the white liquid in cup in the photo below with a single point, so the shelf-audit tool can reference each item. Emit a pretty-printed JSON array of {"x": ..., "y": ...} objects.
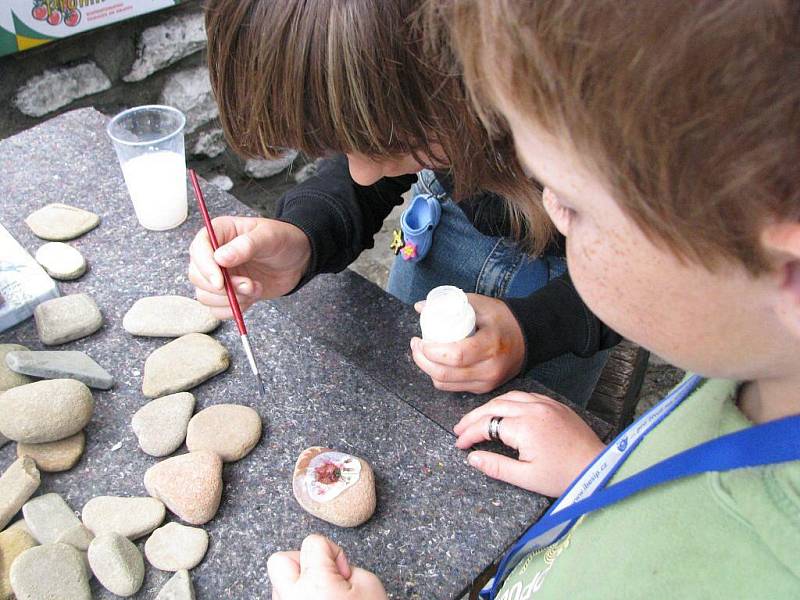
[
  {"x": 447, "y": 316},
  {"x": 157, "y": 185}
]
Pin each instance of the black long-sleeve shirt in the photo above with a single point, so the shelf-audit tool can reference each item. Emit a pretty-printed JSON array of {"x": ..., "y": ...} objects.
[{"x": 341, "y": 219}]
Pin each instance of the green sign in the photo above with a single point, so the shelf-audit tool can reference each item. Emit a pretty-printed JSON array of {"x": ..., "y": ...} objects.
[{"x": 29, "y": 23}]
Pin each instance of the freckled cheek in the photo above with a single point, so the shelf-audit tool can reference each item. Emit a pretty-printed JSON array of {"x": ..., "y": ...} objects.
[{"x": 599, "y": 276}]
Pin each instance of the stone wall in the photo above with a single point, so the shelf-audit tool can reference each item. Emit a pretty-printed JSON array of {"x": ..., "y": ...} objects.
[{"x": 157, "y": 58}]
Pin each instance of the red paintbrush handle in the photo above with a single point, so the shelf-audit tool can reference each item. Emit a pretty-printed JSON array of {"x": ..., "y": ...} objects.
[{"x": 232, "y": 300}]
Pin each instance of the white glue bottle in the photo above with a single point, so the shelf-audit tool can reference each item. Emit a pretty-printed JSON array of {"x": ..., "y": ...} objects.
[{"x": 447, "y": 316}]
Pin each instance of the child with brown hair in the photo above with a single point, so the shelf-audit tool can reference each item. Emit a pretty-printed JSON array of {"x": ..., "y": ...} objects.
[
  {"x": 667, "y": 135},
  {"x": 348, "y": 79}
]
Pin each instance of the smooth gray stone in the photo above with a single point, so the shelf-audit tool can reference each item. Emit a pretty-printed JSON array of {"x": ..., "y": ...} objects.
[
  {"x": 49, "y": 517},
  {"x": 174, "y": 547},
  {"x": 117, "y": 564},
  {"x": 45, "y": 411},
  {"x": 67, "y": 318},
  {"x": 168, "y": 316},
  {"x": 50, "y": 571},
  {"x": 17, "y": 484},
  {"x": 3, "y": 440},
  {"x": 179, "y": 587},
  {"x": 131, "y": 517},
  {"x": 79, "y": 537},
  {"x": 182, "y": 364},
  {"x": 61, "y": 261},
  {"x": 60, "y": 222},
  {"x": 8, "y": 378},
  {"x": 160, "y": 425},
  {"x": 56, "y": 364}
]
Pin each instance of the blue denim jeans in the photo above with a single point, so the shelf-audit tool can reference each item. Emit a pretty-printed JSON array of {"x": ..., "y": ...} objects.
[{"x": 490, "y": 266}]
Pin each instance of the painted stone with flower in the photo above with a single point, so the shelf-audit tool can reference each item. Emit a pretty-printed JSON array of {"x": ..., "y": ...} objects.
[{"x": 333, "y": 486}]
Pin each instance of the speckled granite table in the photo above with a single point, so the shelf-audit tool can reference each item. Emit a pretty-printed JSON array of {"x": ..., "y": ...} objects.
[{"x": 337, "y": 371}]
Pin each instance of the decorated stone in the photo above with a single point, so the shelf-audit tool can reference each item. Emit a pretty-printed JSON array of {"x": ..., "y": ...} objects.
[
  {"x": 61, "y": 261},
  {"x": 182, "y": 364},
  {"x": 160, "y": 425},
  {"x": 50, "y": 571},
  {"x": 61, "y": 222},
  {"x": 117, "y": 564},
  {"x": 67, "y": 318},
  {"x": 48, "y": 517},
  {"x": 17, "y": 485},
  {"x": 190, "y": 485},
  {"x": 131, "y": 517},
  {"x": 174, "y": 547},
  {"x": 335, "y": 487},
  {"x": 55, "y": 364},
  {"x": 168, "y": 316},
  {"x": 54, "y": 457},
  {"x": 9, "y": 378},
  {"x": 179, "y": 587},
  {"x": 13, "y": 542},
  {"x": 45, "y": 411},
  {"x": 229, "y": 430}
]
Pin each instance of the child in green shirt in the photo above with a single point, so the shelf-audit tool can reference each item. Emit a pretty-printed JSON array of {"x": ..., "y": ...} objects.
[{"x": 668, "y": 137}]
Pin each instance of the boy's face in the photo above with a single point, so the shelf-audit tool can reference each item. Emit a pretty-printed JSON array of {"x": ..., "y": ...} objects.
[{"x": 720, "y": 324}]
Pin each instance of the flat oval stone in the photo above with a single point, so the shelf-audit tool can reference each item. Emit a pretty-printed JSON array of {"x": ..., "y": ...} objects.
[
  {"x": 79, "y": 537},
  {"x": 335, "y": 487},
  {"x": 54, "y": 457},
  {"x": 17, "y": 484},
  {"x": 48, "y": 517},
  {"x": 117, "y": 564},
  {"x": 45, "y": 411},
  {"x": 61, "y": 261},
  {"x": 60, "y": 222},
  {"x": 179, "y": 587},
  {"x": 67, "y": 318},
  {"x": 168, "y": 316},
  {"x": 182, "y": 364},
  {"x": 174, "y": 547},
  {"x": 50, "y": 571},
  {"x": 59, "y": 364},
  {"x": 160, "y": 425},
  {"x": 130, "y": 517},
  {"x": 229, "y": 430},
  {"x": 190, "y": 485},
  {"x": 9, "y": 378},
  {"x": 13, "y": 542}
]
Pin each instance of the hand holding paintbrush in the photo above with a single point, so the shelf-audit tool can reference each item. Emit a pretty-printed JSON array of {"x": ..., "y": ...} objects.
[{"x": 232, "y": 300}]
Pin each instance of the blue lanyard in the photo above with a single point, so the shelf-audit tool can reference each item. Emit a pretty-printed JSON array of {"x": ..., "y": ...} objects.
[{"x": 773, "y": 442}]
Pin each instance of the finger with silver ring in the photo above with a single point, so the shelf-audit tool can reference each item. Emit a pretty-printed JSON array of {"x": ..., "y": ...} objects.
[{"x": 494, "y": 429}]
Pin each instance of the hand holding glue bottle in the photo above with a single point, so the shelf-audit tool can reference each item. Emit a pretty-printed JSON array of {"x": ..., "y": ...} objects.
[{"x": 469, "y": 342}]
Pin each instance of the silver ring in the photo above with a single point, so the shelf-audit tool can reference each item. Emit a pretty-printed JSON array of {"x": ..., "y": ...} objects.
[{"x": 494, "y": 429}]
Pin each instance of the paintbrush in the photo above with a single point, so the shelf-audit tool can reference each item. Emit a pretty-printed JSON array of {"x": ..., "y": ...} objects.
[{"x": 232, "y": 300}]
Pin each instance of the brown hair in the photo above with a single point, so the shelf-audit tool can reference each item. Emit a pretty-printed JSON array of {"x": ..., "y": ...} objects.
[
  {"x": 327, "y": 76},
  {"x": 689, "y": 109}
]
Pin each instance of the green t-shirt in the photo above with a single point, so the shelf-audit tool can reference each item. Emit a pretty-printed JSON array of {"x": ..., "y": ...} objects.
[{"x": 734, "y": 534}]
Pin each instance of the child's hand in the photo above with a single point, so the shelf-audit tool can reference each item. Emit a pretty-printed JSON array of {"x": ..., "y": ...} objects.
[
  {"x": 320, "y": 571},
  {"x": 479, "y": 363},
  {"x": 554, "y": 443},
  {"x": 265, "y": 258}
]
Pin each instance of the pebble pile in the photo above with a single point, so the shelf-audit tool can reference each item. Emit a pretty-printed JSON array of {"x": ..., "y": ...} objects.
[{"x": 45, "y": 404}]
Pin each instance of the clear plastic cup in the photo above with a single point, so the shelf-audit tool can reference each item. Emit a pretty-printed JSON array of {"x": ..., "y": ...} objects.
[{"x": 149, "y": 144}]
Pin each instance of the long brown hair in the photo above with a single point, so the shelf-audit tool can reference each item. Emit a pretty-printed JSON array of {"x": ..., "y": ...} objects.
[
  {"x": 689, "y": 109},
  {"x": 324, "y": 76}
]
